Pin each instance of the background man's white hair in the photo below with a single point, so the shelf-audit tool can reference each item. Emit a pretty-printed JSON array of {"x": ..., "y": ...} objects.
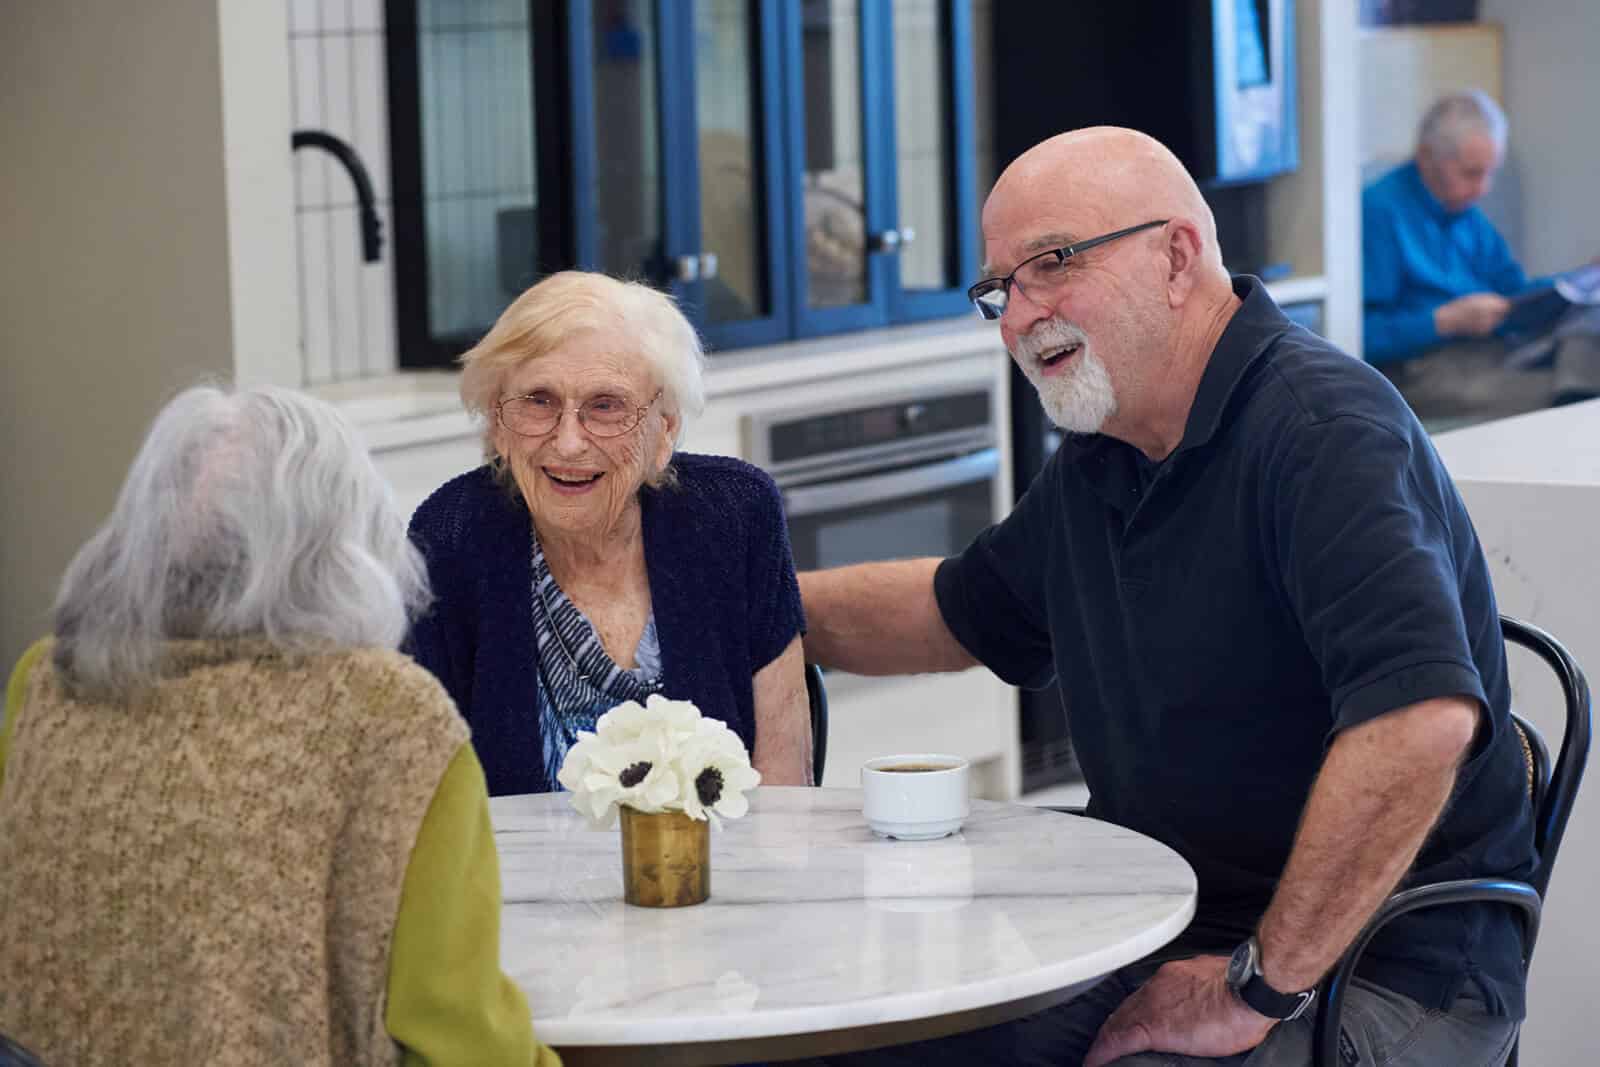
[
  {"x": 1456, "y": 116},
  {"x": 256, "y": 512}
]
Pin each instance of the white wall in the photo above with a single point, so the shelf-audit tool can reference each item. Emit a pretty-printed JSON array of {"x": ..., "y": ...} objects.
[
  {"x": 1314, "y": 213},
  {"x": 146, "y": 227},
  {"x": 1551, "y": 83}
]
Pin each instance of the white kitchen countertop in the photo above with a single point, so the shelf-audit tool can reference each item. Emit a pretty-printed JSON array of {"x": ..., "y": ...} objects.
[
  {"x": 418, "y": 407},
  {"x": 1557, "y": 446}
]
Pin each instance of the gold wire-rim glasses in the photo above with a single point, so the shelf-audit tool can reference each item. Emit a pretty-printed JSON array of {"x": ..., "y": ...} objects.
[{"x": 584, "y": 411}]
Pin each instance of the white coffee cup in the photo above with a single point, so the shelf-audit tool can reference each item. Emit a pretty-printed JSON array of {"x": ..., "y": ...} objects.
[{"x": 915, "y": 797}]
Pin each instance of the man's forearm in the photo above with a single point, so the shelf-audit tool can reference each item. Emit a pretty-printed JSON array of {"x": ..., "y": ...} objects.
[
  {"x": 1379, "y": 793},
  {"x": 878, "y": 618}
]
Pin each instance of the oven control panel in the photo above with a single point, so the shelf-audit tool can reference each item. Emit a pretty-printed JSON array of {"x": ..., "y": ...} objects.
[{"x": 810, "y": 436}]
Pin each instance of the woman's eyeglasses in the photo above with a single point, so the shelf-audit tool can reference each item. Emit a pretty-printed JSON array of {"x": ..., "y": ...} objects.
[
  {"x": 1039, "y": 275},
  {"x": 538, "y": 413}
]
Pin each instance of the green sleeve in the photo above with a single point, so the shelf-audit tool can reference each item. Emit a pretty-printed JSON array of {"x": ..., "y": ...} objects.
[
  {"x": 449, "y": 1002},
  {"x": 15, "y": 690}
]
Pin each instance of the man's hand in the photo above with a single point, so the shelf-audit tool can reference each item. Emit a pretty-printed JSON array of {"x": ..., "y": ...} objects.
[
  {"x": 1473, "y": 315},
  {"x": 1185, "y": 1008}
]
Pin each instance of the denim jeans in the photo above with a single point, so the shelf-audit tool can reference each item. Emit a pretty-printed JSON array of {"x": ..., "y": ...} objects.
[{"x": 1380, "y": 1029}]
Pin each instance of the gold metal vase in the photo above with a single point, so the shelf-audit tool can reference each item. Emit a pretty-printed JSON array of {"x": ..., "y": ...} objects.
[{"x": 666, "y": 859}]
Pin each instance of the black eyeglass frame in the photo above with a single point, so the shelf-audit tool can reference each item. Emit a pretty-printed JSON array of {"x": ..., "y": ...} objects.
[
  {"x": 638, "y": 416},
  {"x": 980, "y": 289}
]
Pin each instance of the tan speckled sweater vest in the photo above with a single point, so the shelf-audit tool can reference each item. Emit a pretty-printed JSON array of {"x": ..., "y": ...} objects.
[{"x": 211, "y": 874}]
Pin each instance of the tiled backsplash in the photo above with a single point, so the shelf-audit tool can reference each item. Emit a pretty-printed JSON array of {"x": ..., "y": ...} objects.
[{"x": 338, "y": 84}]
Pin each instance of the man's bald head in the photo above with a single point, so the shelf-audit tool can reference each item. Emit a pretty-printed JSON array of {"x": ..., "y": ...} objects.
[
  {"x": 1116, "y": 334},
  {"x": 1094, "y": 181}
]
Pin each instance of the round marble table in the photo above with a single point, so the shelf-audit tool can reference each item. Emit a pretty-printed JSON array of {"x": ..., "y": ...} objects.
[{"x": 820, "y": 937}]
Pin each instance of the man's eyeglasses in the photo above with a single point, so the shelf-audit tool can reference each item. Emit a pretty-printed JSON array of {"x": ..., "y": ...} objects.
[
  {"x": 538, "y": 413},
  {"x": 1039, "y": 275}
]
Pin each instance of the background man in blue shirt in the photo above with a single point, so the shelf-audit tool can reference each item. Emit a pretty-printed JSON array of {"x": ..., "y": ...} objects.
[
  {"x": 1271, "y": 618},
  {"x": 1439, "y": 279}
]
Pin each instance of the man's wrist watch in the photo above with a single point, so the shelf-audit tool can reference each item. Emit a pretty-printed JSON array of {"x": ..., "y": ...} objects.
[{"x": 1244, "y": 978}]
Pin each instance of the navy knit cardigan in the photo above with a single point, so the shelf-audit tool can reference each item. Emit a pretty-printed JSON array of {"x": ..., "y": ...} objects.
[{"x": 722, "y": 584}]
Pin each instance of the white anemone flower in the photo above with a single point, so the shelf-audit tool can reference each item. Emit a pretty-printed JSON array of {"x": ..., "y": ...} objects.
[
  {"x": 630, "y": 720},
  {"x": 579, "y": 757},
  {"x": 662, "y": 755},
  {"x": 715, "y": 778},
  {"x": 680, "y": 717},
  {"x": 716, "y": 734},
  {"x": 621, "y": 724},
  {"x": 639, "y": 774}
]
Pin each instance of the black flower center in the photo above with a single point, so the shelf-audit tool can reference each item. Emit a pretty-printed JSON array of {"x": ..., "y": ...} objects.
[
  {"x": 632, "y": 776},
  {"x": 709, "y": 786}
]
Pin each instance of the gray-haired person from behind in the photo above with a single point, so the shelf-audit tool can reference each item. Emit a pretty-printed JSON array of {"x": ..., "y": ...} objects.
[{"x": 236, "y": 825}]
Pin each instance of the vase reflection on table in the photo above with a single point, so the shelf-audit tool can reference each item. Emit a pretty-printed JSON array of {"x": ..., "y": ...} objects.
[{"x": 671, "y": 773}]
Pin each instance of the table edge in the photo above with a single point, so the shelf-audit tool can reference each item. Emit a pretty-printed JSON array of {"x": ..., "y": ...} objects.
[{"x": 884, "y": 1010}]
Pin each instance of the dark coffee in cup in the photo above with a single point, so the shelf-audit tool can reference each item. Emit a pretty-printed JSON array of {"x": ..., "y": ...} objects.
[{"x": 902, "y": 768}]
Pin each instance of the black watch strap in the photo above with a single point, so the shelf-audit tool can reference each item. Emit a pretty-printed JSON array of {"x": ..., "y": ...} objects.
[
  {"x": 1244, "y": 978},
  {"x": 1273, "y": 1004}
]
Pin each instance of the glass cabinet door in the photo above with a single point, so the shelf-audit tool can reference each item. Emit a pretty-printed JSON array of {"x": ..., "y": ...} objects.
[
  {"x": 786, "y": 168},
  {"x": 742, "y": 293},
  {"x": 834, "y": 172},
  {"x": 935, "y": 203},
  {"x": 477, "y": 216},
  {"x": 838, "y": 198},
  {"x": 627, "y": 186},
  {"x": 680, "y": 98},
  {"x": 729, "y": 156}
]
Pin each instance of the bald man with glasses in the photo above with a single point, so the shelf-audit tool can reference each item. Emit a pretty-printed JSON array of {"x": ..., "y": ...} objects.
[{"x": 1269, "y": 615}]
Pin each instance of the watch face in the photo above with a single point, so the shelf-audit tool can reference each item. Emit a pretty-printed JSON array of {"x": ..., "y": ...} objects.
[{"x": 1239, "y": 968}]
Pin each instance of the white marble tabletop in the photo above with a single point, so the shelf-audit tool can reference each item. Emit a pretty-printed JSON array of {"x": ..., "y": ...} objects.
[{"x": 816, "y": 925}]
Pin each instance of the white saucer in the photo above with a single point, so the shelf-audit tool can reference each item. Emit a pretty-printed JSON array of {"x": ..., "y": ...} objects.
[{"x": 916, "y": 831}]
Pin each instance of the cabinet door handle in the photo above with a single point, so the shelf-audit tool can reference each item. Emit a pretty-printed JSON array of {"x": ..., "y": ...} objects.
[
  {"x": 685, "y": 268},
  {"x": 886, "y": 241},
  {"x": 907, "y": 235},
  {"x": 708, "y": 265}
]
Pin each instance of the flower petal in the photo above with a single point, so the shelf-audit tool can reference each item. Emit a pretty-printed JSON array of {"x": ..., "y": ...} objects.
[
  {"x": 661, "y": 789},
  {"x": 732, "y": 804}
]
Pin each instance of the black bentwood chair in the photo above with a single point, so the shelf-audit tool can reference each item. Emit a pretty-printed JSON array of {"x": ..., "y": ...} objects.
[
  {"x": 817, "y": 696},
  {"x": 1553, "y": 788},
  {"x": 14, "y": 1055}
]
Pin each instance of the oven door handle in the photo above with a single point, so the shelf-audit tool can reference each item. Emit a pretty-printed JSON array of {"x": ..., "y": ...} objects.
[{"x": 811, "y": 499}]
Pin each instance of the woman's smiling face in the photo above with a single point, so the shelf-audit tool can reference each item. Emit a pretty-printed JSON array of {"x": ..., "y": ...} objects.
[{"x": 574, "y": 482}]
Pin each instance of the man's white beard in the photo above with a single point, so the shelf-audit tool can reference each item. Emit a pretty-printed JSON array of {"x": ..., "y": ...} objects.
[{"x": 1082, "y": 399}]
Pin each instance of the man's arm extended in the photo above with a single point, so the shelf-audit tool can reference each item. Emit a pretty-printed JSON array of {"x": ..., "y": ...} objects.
[
  {"x": 879, "y": 618},
  {"x": 1380, "y": 791}
]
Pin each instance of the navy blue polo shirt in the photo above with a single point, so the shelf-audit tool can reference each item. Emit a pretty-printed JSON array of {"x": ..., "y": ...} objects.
[{"x": 1301, "y": 563}]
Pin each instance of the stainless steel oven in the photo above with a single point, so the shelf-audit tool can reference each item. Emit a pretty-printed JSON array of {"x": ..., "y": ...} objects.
[{"x": 890, "y": 477}]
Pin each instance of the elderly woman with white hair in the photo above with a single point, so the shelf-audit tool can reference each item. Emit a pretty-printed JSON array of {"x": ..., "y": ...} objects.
[
  {"x": 237, "y": 826},
  {"x": 587, "y": 562}
]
